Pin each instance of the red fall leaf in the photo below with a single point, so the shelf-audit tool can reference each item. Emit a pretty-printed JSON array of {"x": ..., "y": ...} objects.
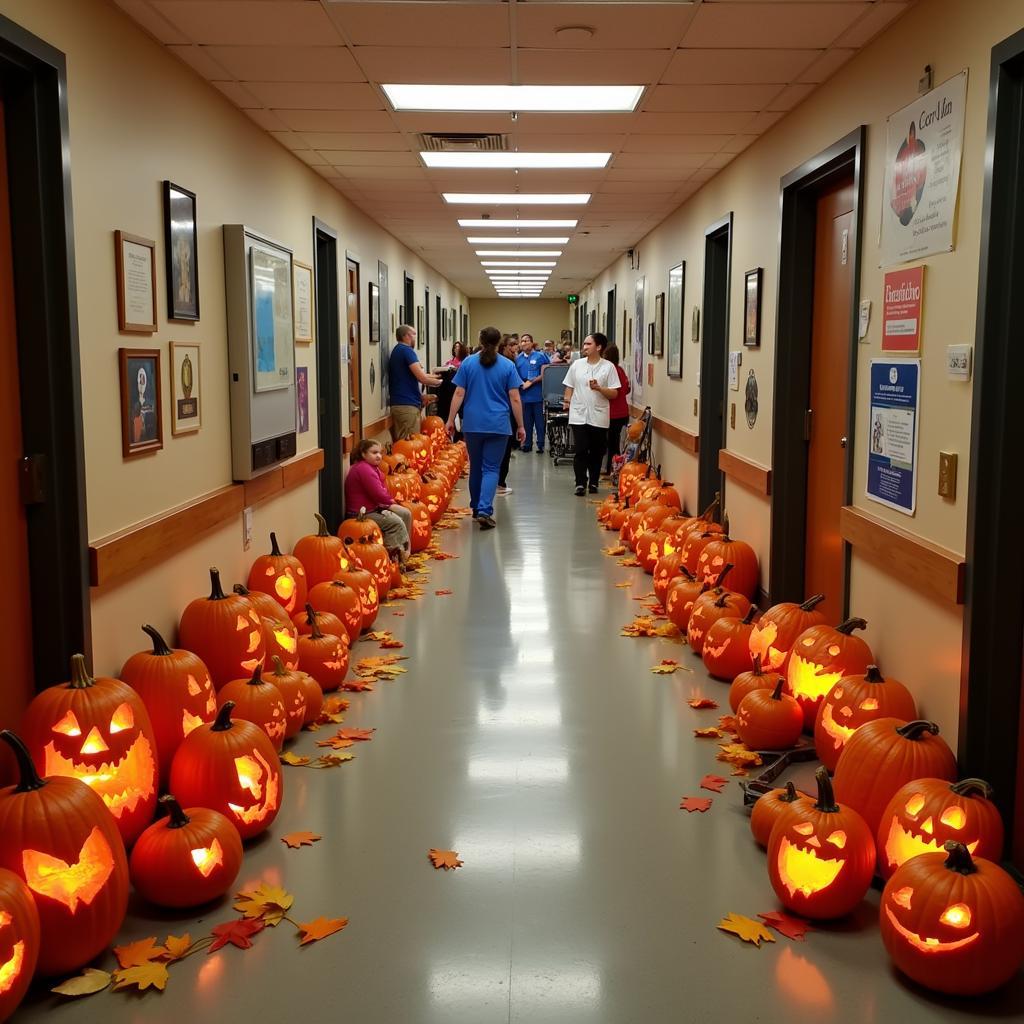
[
  {"x": 713, "y": 782},
  {"x": 695, "y": 803},
  {"x": 239, "y": 933},
  {"x": 785, "y": 924}
]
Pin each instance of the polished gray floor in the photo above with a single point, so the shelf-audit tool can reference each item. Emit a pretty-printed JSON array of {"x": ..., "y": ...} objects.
[{"x": 531, "y": 738}]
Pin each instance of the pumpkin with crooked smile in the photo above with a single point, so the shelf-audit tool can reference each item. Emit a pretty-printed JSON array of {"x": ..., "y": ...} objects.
[{"x": 19, "y": 941}]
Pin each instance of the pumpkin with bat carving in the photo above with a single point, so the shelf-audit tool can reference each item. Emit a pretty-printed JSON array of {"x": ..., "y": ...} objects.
[
  {"x": 97, "y": 730},
  {"x": 281, "y": 576},
  {"x": 60, "y": 839},
  {"x": 321, "y": 554},
  {"x": 19, "y": 941}
]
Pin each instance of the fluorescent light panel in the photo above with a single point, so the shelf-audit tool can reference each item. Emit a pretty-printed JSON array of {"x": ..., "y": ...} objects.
[
  {"x": 517, "y": 198},
  {"x": 517, "y": 263},
  {"x": 514, "y": 222},
  {"x": 508, "y": 98},
  {"x": 515, "y": 240},
  {"x": 517, "y": 161},
  {"x": 519, "y": 252}
]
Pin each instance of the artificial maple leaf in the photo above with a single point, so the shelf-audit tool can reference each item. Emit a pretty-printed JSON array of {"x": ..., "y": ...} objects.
[
  {"x": 447, "y": 859},
  {"x": 268, "y": 903},
  {"x": 665, "y": 667},
  {"x": 618, "y": 549},
  {"x": 334, "y": 705},
  {"x": 746, "y": 928},
  {"x": 337, "y": 742},
  {"x": 739, "y": 771},
  {"x": 738, "y": 755},
  {"x": 391, "y": 643},
  {"x": 238, "y": 933},
  {"x": 785, "y": 924},
  {"x": 332, "y": 760},
  {"x": 443, "y": 593},
  {"x": 88, "y": 983},
  {"x": 143, "y": 951},
  {"x": 702, "y": 702},
  {"x": 177, "y": 946},
  {"x": 669, "y": 631},
  {"x": 711, "y": 732},
  {"x": 357, "y": 685},
  {"x": 631, "y": 562},
  {"x": 714, "y": 783},
  {"x": 695, "y": 803},
  {"x": 377, "y": 634},
  {"x": 293, "y": 759},
  {"x": 314, "y": 931},
  {"x": 624, "y": 584},
  {"x": 297, "y": 839},
  {"x": 727, "y": 723},
  {"x": 642, "y": 625},
  {"x": 359, "y": 735},
  {"x": 147, "y": 975}
]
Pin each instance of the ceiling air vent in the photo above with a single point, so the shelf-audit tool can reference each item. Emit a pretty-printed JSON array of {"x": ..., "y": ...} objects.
[{"x": 462, "y": 142}]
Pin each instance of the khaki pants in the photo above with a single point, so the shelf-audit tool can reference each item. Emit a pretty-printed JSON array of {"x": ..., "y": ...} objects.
[
  {"x": 405, "y": 421},
  {"x": 396, "y": 525}
]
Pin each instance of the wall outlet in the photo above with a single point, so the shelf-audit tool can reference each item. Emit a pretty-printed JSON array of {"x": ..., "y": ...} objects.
[
  {"x": 246, "y": 528},
  {"x": 947, "y": 475}
]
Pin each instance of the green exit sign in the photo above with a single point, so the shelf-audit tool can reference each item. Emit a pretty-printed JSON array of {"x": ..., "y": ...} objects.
[{"x": 573, "y": 299}]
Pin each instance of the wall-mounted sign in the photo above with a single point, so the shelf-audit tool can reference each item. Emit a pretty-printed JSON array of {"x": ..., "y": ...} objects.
[
  {"x": 893, "y": 433},
  {"x": 901, "y": 310}
]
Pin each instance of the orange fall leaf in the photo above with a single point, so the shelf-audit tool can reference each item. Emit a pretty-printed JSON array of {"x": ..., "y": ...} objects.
[
  {"x": 296, "y": 839},
  {"x": 447, "y": 859}
]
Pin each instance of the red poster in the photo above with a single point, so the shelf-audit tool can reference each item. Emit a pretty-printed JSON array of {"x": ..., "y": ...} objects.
[{"x": 901, "y": 310}]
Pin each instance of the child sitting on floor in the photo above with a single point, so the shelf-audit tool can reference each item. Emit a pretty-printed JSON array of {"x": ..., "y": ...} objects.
[{"x": 365, "y": 490}]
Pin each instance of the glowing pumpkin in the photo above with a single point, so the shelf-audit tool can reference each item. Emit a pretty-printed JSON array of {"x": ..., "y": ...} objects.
[
  {"x": 726, "y": 651},
  {"x": 435, "y": 497},
  {"x": 722, "y": 550},
  {"x": 59, "y": 838},
  {"x": 327, "y": 621},
  {"x": 821, "y": 856},
  {"x": 709, "y": 608},
  {"x": 650, "y": 547},
  {"x": 680, "y": 596},
  {"x": 778, "y": 629},
  {"x": 343, "y": 602},
  {"x": 259, "y": 701},
  {"x": 747, "y": 682},
  {"x": 769, "y": 720},
  {"x": 373, "y": 558},
  {"x": 324, "y": 656},
  {"x": 820, "y": 657},
  {"x": 926, "y": 814},
  {"x": 281, "y": 576},
  {"x": 667, "y": 569},
  {"x": 769, "y": 808},
  {"x": 97, "y": 730},
  {"x": 186, "y": 859},
  {"x": 265, "y": 606},
  {"x": 359, "y": 526},
  {"x": 293, "y": 693},
  {"x": 281, "y": 639},
  {"x": 419, "y": 537},
  {"x": 19, "y": 941},
  {"x": 953, "y": 923},
  {"x": 369, "y": 598},
  {"x": 230, "y": 767},
  {"x": 853, "y": 701},
  {"x": 693, "y": 548},
  {"x": 321, "y": 554},
  {"x": 314, "y": 697}
]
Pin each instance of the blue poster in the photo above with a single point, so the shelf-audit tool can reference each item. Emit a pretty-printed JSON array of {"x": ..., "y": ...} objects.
[{"x": 892, "y": 441}]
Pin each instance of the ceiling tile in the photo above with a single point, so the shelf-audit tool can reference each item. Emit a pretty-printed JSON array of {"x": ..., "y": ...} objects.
[
  {"x": 199, "y": 60},
  {"x": 237, "y": 94},
  {"x": 368, "y": 140},
  {"x": 685, "y": 161},
  {"x": 443, "y": 122},
  {"x": 685, "y": 147},
  {"x": 422, "y": 25},
  {"x": 337, "y": 120},
  {"x": 289, "y": 140},
  {"x": 876, "y": 19},
  {"x": 267, "y": 120},
  {"x": 156, "y": 25},
  {"x": 248, "y": 22},
  {"x": 739, "y": 143},
  {"x": 317, "y": 96},
  {"x": 825, "y": 66},
  {"x": 372, "y": 159},
  {"x": 722, "y": 97},
  {"x": 760, "y": 123},
  {"x": 600, "y": 67},
  {"x": 574, "y": 143},
  {"x": 287, "y": 63},
  {"x": 483, "y": 65},
  {"x": 720, "y": 160},
  {"x": 709, "y": 67},
  {"x": 615, "y": 26},
  {"x": 789, "y": 97},
  {"x": 307, "y": 156},
  {"x": 771, "y": 25},
  {"x": 695, "y": 123}
]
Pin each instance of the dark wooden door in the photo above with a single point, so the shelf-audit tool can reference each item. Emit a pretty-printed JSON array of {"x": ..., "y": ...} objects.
[
  {"x": 829, "y": 397},
  {"x": 354, "y": 335},
  {"x": 331, "y": 423}
]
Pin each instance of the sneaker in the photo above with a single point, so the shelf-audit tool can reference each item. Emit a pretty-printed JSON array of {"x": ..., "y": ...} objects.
[
  {"x": 526, "y": 450},
  {"x": 486, "y": 522},
  {"x": 579, "y": 492},
  {"x": 503, "y": 490},
  {"x": 540, "y": 451},
  {"x": 593, "y": 488}
]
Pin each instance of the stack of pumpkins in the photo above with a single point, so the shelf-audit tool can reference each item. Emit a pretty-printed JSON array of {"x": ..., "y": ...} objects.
[{"x": 204, "y": 722}]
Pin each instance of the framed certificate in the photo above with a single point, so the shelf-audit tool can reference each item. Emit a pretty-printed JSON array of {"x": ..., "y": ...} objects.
[
  {"x": 302, "y": 300},
  {"x": 136, "y": 283}
]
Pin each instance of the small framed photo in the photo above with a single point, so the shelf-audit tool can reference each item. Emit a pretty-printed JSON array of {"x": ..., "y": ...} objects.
[
  {"x": 650, "y": 339},
  {"x": 181, "y": 242},
  {"x": 186, "y": 388},
  {"x": 302, "y": 397},
  {"x": 752, "y": 308},
  {"x": 659, "y": 324},
  {"x": 695, "y": 325},
  {"x": 136, "y": 283},
  {"x": 374, "y": 314},
  {"x": 419, "y": 327},
  {"x": 302, "y": 301},
  {"x": 444, "y": 324},
  {"x": 142, "y": 428}
]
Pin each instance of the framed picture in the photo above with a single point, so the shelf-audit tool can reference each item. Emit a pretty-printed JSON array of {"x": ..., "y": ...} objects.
[
  {"x": 374, "y": 314},
  {"x": 695, "y": 325},
  {"x": 136, "y": 283},
  {"x": 674, "y": 327},
  {"x": 419, "y": 327},
  {"x": 444, "y": 324},
  {"x": 650, "y": 339},
  {"x": 752, "y": 307},
  {"x": 659, "y": 324},
  {"x": 186, "y": 388},
  {"x": 142, "y": 428},
  {"x": 302, "y": 397},
  {"x": 302, "y": 301},
  {"x": 182, "y": 252},
  {"x": 273, "y": 330},
  {"x": 465, "y": 328}
]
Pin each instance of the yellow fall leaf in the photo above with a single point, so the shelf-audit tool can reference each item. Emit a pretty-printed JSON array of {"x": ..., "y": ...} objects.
[
  {"x": 746, "y": 928},
  {"x": 177, "y": 945},
  {"x": 88, "y": 983},
  {"x": 142, "y": 951},
  {"x": 148, "y": 975},
  {"x": 293, "y": 759}
]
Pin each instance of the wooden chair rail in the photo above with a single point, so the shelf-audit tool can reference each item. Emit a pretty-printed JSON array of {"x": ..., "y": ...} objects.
[
  {"x": 672, "y": 433},
  {"x": 124, "y": 553},
  {"x": 927, "y": 567},
  {"x": 749, "y": 474},
  {"x": 381, "y": 426}
]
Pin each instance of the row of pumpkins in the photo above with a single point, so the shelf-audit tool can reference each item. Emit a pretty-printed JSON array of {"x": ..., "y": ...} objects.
[
  {"x": 204, "y": 721},
  {"x": 950, "y": 917}
]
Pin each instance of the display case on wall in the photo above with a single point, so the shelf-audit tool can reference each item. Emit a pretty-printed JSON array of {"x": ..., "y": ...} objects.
[{"x": 261, "y": 350}]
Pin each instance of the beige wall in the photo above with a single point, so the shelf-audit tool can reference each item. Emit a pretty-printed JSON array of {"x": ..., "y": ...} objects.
[
  {"x": 137, "y": 116},
  {"x": 915, "y": 638},
  {"x": 543, "y": 318}
]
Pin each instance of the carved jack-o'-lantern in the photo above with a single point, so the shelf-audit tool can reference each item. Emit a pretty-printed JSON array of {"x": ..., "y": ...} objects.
[
  {"x": 293, "y": 693},
  {"x": 819, "y": 658},
  {"x": 953, "y": 923},
  {"x": 778, "y": 629},
  {"x": 258, "y": 701},
  {"x": 361, "y": 525},
  {"x": 373, "y": 558},
  {"x": 19, "y": 941},
  {"x": 419, "y": 537},
  {"x": 747, "y": 682},
  {"x": 231, "y": 767},
  {"x": 281, "y": 576},
  {"x": 651, "y": 546},
  {"x": 369, "y": 598},
  {"x": 726, "y": 652},
  {"x": 821, "y": 856},
  {"x": 327, "y": 621},
  {"x": 186, "y": 859},
  {"x": 680, "y": 595},
  {"x": 324, "y": 656},
  {"x": 667, "y": 569},
  {"x": 97, "y": 730},
  {"x": 281, "y": 639},
  {"x": 314, "y": 697},
  {"x": 852, "y": 702},
  {"x": 770, "y": 807},
  {"x": 59, "y": 838},
  {"x": 722, "y": 550},
  {"x": 435, "y": 496},
  {"x": 925, "y": 814},
  {"x": 340, "y": 599},
  {"x": 710, "y": 606},
  {"x": 321, "y": 554}
]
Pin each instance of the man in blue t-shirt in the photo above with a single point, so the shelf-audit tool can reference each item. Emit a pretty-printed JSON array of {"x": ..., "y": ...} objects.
[
  {"x": 530, "y": 364},
  {"x": 405, "y": 374}
]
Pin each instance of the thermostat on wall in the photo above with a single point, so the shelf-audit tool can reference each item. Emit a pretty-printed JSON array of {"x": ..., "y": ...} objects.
[{"x": 958, "y": 361}]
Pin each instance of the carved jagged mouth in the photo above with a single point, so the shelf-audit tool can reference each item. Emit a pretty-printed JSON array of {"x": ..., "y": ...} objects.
[
  {"x": 901, "y": 845},
  {"x": 808, "y": 680},
  {"x": 10, "y": 970},
  {"x": 121, "y": 784},
  {"x": 839, "y": 734},
  {"x": 250, "y": 770},
  {"x": 803, "y": 871},
  {"x": 928, "y": 945},
  {"x": 717, "y": 652}
]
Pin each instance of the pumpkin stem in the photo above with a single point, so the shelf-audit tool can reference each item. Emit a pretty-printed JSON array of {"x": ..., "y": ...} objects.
[
  {"x": 240, "y": 589},
  {"x": 310, "y": 615},
  {"x": 683, "y": 571},
  {"x": 160, "y": 647},
  {"x": 321, "y": 526},
  {"x": 216, "y": 590},
  {"x": 223, "y": 720},
  {"x": 777, "y": 692},
  {"x": 725, "y": 524},
  {"x": 850, "y": 625},
  {"x": 80, "y": 678},
  {"x": 274, "y": 549},
  {"x": 749, "y": 617},
  {"x": 873, "y": 675},
  {"x": 726, "y": 569},
  {"x": 722, "y": 600},
  {"x": 791, "y": 794},
  {"x": 959, "y": 859},
  {"x": 826, "y": 801},
  {"x": 28, "y": 777},
  {"x": 257, "y": 676},
  {"x": 972, "y": 787},
  {"x": 279, "y": 669},
  {"x": 709, "y": 512},
  {"x": 179, "y": 819},
  {"x": 915, "y": 730},
  {"x": 809, "y": 604},
  {"x": 314, "y": 629},
  {"x": 757, "y": 665}
]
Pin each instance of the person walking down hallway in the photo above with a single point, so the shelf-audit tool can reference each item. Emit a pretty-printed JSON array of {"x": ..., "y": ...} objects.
[
  {"x": 530, "y": 363},
  {"x": 487, "y": 392},
  {"x": 618, "y": 410},
  {"x": 590, "y": 385},
  {"x": 405, "y": 375},
  {"x": 509, "y": 348}
]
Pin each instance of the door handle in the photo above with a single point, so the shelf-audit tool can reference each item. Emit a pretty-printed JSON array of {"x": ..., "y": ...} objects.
[
  {"x": 355, "y": 408},
  {"x": 842, "y": 442}
]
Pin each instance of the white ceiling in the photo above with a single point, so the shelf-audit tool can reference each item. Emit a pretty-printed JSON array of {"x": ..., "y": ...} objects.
[{"x": 718, "y": 74}]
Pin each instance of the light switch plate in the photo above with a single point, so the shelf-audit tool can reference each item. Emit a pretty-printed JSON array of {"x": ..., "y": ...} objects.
[
  {"x": 246, "y": 528},
  {"x": 865, "y": 320},
  {"x": 947, "y": 474},
  {"x": 735, "y": 359}
]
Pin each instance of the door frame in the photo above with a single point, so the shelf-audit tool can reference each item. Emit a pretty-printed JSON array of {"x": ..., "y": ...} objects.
[
  {"x": 798, "y": 196},
  {"x": 328, "y": 373},
  {"x": 33, "y": 78},
  {"x": 992, "y": 664},
  {"x": 710, "y": 478},
  {"x": 354, "y": 260}
]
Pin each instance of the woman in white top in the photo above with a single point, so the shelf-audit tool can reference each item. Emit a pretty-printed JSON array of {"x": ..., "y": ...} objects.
[{"x": 590, "y": 383}]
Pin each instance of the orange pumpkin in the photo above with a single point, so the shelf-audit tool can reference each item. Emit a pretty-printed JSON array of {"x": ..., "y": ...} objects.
[
  {"x": 343, "y": 601},
  {"x": 769, "y": 720},
  {"x": 725, "y": 652},
  {"x": 650, "y": 547},
  {"x": 435, "y": 495},
  {"x": 769, "y": 808},
  {"x": 712, "y": 605},
  {"x": 258, "y": 701},
  {"x": 694, "y": 545},
  {"x": 361, "y": 526},
  {"x": 266, "y": 607},
  {"x": 366, "y": 585},
  {"x": 722, "y": 550},
  {"x": 419, "y": 538},
  {"x": 321, "y": 554},
  {"x": 281, "y": 637},
  {"x": 19, "y": 941},
  {"x": 778, "y": 628},
  {"x": 314, "y": 697},
  {"x": 680, "y": 596},
  {"x": 666, "y": 569},
  {"x": 747, "y": 682},
  {"x": 374, "y": 559},
  {"x": 293, "y": 693},
  {"x": 327, "y": 621},
  {"x": 324, "y": 656},
  {"x": 281, "y": 576}
]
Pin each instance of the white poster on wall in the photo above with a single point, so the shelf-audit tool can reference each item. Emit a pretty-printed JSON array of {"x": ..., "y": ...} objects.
[
  {"x": 638, "y": 344},
  {"x": 923, "y": 148}
]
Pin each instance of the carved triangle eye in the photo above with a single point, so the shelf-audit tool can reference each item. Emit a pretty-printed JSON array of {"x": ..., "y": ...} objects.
[
  {"x": 68, "y": 725},
  {"x": 122, "y": 718}
]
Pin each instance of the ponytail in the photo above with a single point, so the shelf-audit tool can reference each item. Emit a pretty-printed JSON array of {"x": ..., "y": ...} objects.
[{"x": 489, "y": 338}]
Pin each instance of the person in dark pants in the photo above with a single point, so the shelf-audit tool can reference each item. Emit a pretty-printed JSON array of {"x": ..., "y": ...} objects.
[
  {"x": 530, "y": 364},
  {"x": 590, "y": 385},
  {"x": 509, "y": 348},
  {"x": 618, "y": 410}
]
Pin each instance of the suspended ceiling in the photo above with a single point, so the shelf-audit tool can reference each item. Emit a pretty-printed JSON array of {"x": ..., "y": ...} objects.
[{"x": 718, "y": 73}]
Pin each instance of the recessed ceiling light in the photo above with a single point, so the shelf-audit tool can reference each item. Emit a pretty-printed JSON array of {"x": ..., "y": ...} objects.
[
  {"x": 518, "y": 273},
  {"x": 509, "y": 98},
  {"x": 517, "y": 198},
  {"x": 516, "y": 160},
  {"x": 517, "y": 263},
  {"x": 519, "y": 252},
  {"x": 515, "y": 240},
  {"x": 486, "y": 222}
]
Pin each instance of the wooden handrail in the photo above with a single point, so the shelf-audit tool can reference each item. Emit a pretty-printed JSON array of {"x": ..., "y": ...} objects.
[
  {"x": 672, "y": 433},
  {"x": 758, "y": 478},
  {"x": 381, "y": 426}
]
